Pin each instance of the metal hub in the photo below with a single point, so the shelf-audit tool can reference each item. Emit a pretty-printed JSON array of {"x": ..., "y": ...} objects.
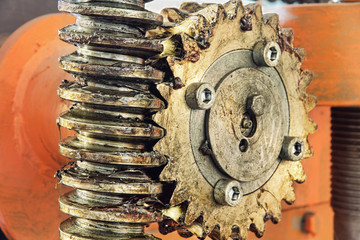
[
  {"x": 244, "y": 129},
  {"x": 245, "y": 133}
]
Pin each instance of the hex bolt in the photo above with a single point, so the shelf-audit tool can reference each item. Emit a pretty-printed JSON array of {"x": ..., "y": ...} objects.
[
  {"x": 200, "y": 96},
  {"x": 228, "y": 192},
  {"x": 257, "y": 105},
  {"x": 267, "y": 54},
  {"x": 293, "y": 149}
]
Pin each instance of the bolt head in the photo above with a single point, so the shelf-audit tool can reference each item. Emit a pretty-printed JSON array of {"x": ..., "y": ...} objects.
[
  {"x": 293, "y": 149},
  {"x": 228, "y": 192},
  {"x": 267, "y": 54},
  {"x": 257, "y": 105},
  {"x": 200, "y": 96}
]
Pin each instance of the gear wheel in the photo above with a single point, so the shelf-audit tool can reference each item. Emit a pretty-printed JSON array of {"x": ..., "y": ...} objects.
[{"x": 237, "y": 117}]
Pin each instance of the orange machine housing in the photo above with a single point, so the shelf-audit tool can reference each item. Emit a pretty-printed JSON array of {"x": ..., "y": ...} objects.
[{"x": 29, "y": 106}]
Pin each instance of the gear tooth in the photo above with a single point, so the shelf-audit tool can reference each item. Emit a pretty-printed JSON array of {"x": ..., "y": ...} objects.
[
  {"x": 213, "y": 13},
  {"x": 288, "y": 33},
  {"x": 225, "y": 232},
  {"x": 193, "y": 211},
  {"x": 171, "y": 15},
  {"x": 289, "y": 197},
  {"x": 258, "y": 226},
  {"x": 272, "y": 19},
  {"x": 243, "y": 234},
  {"x": 271, "y": 206},
  {"x": 310, "y": 102},
  {"x": 256, "y": 9},
  {"x": 232, "y": 8},
  {"x": 179, "y": 196},
  {"x": 300, "y": 52},
  {"x": 297, "y": 172},
  {"x": 191, "y": 7},
  {"x": 306, "y": 78}
]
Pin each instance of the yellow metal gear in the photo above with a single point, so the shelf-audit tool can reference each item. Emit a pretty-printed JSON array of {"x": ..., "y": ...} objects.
[{"x": 199, "y": 38}]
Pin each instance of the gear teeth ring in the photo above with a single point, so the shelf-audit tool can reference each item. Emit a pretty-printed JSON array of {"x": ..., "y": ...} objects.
[
  {"x": 208, "y": 32},
  {"x": 114, "y": 99}
]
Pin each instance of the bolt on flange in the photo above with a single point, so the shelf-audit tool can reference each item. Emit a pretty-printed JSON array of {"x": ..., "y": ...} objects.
[
  {"x": 267, "y": 54},
  {"x": 293, "y": 149},
  {"x": 228, "y": 192},
  {"x": 200, "y": 96},
  {"x": 256, "y": 104}
]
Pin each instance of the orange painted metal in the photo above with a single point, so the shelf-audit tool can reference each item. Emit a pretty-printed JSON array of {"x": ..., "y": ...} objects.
[
  {"x": 330, "y": 34},
  {"x": 29, "y": 137}
]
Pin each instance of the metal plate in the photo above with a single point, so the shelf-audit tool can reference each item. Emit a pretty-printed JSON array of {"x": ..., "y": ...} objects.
[{"x": 198, "y": 134}]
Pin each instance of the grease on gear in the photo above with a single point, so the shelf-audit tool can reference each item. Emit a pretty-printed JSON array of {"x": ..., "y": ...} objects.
[{"x": 260, "y": 103}]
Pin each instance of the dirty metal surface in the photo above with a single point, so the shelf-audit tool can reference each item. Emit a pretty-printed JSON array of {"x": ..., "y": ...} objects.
[
  {"x": 206, "y": 37},
  {"x": 225, "y": 144},
  {"x": 114, "y": 98},
  {"x": 81, "y": 229}
]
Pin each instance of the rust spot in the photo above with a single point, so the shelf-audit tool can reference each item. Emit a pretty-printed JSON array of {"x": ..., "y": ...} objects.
[
  {"x": 167, "y": 226},
  {"x": 194, "y": 57},
  {"x": 177, "y": 83},
  {"x": 205, "y": 148},
  {"x": 245, "y": 21}
]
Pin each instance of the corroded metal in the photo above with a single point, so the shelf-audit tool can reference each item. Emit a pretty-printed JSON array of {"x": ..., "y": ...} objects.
[
  {"x": 268, "y": 99},
  {"x": 113, "y": 97}
]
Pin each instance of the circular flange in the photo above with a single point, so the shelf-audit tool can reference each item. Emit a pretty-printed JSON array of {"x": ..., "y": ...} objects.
[
  {"x": 246, "y": 155},
  {"x": 248, "y": 150}
]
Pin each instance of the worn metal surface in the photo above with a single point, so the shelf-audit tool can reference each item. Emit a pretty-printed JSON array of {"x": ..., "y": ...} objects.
[
  {"x": 225, "y": 118},
  {"x": 345, "y": 170},
  {"x": 73, "y": 228},
  {"x": 232, "y": 101},
  {"x": 113, "y": 103},
  {"x": 206, "y": 37}
]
